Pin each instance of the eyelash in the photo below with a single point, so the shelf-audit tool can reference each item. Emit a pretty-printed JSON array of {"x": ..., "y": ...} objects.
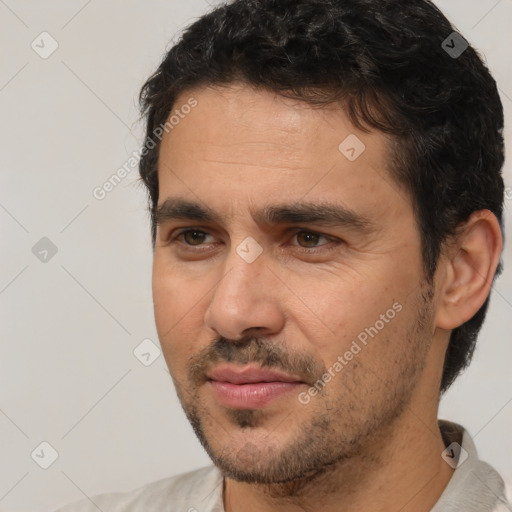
[{"x": 310, "y": 250}]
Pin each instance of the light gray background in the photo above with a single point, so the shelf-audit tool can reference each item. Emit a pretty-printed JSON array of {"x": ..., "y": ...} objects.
[{"x": 70, "y": 325}]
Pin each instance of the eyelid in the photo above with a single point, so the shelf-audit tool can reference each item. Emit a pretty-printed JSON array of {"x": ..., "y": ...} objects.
[
  {"x": 178, "y": 232},
  {"x": 293, "y": 231}
]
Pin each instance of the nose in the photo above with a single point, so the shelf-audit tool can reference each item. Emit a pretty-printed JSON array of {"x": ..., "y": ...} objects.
[{"x": 245, "y": 299}]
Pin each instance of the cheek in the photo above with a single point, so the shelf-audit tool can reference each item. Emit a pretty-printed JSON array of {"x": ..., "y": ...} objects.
[
  {"x": 350, "y": 313},
  {"x": 165, "y": 301},
  {"x": 174, "y": 295},
  {"x": 177, "y": 309},
  {"x": 332, "y": 307}
]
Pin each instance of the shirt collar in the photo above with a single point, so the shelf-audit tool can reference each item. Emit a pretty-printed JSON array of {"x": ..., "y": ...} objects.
[{"x": 474, "y": 486}]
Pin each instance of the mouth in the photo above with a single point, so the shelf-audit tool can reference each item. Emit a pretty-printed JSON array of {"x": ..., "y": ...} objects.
[{"x": 250, "y": 387}]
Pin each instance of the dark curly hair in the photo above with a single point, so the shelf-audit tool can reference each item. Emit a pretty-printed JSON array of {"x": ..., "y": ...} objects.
[{"x": 384, "y": 61}]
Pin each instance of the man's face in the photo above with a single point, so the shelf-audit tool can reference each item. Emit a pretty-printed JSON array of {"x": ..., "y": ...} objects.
[{"x": 253, "y": 310}]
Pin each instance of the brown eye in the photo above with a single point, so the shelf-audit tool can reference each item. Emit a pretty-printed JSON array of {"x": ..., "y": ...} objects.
[
  {"x": 193, "y": 236},
  {"x": 309, "y": 238}
]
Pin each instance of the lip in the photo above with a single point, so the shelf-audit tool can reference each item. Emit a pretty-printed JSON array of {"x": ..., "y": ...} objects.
[
  {"x": 250, "y": 387},
  {"x": 248, "y": 375}
]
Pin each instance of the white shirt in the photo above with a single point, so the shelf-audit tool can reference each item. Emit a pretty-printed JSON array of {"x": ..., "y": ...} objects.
[{"x": 474, "y": 487}]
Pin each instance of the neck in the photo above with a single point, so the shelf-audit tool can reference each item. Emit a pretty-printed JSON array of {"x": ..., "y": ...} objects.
[{"x": 402, "y": 469}]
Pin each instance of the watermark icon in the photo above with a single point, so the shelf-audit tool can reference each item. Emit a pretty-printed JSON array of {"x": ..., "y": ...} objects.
[
  {"x": 44, "y": 455},
  {"x": 454, "y": 45},
  {"x": 44, "y": 45},
  {"x": 100, "y": 192},
  {"x": 351, "y": 147},
  {"x": 44, "y": 250},
  {"x": 508, "y": 193},
  {"x": 249, "y": 249},
  {"x": 343, "y": 360},
  {"x": 454, "y": 455},
  {"x": 147, "y": 352}
]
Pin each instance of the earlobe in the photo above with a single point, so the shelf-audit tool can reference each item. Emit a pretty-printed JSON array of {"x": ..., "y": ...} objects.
[{"x": 469, "y": 270}]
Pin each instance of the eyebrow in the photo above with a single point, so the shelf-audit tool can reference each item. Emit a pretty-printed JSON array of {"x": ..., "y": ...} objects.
[{"x": 317, "y": 212}]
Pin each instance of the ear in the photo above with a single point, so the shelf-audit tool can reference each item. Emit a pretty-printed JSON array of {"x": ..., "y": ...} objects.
[{"x": 469, "y": 269}]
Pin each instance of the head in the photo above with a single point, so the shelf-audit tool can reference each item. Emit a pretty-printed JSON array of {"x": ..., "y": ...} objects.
[{"x": 349, "y": 120}]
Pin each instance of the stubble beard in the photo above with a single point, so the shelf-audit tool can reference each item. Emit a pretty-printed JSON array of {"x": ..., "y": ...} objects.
[{"x": 335, "y": 430}]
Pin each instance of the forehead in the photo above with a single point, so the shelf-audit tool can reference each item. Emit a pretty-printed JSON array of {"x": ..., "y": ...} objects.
[
  {"x": 266, "y": 123},
  {"x": 251, "y": 144}
]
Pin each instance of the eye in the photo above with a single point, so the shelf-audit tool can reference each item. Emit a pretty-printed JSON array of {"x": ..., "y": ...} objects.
[
  {"x": 192, "y": 237},
  {"x": 310, "y": 237}
]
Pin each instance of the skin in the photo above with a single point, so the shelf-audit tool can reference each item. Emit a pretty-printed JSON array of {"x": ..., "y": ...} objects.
[{"x": 369, "y": 440}]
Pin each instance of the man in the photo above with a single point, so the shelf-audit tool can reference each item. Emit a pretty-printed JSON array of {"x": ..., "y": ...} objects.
[{"x": 326, "y": 201}]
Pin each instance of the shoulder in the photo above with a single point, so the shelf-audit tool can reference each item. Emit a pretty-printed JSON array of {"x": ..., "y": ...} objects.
[
  {"x": 199, "y": 489},
  {"x": 475, "y": 485}
]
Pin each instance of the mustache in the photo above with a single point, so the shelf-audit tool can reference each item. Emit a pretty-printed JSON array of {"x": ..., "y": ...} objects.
[{"x": 254, "y": 350}]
